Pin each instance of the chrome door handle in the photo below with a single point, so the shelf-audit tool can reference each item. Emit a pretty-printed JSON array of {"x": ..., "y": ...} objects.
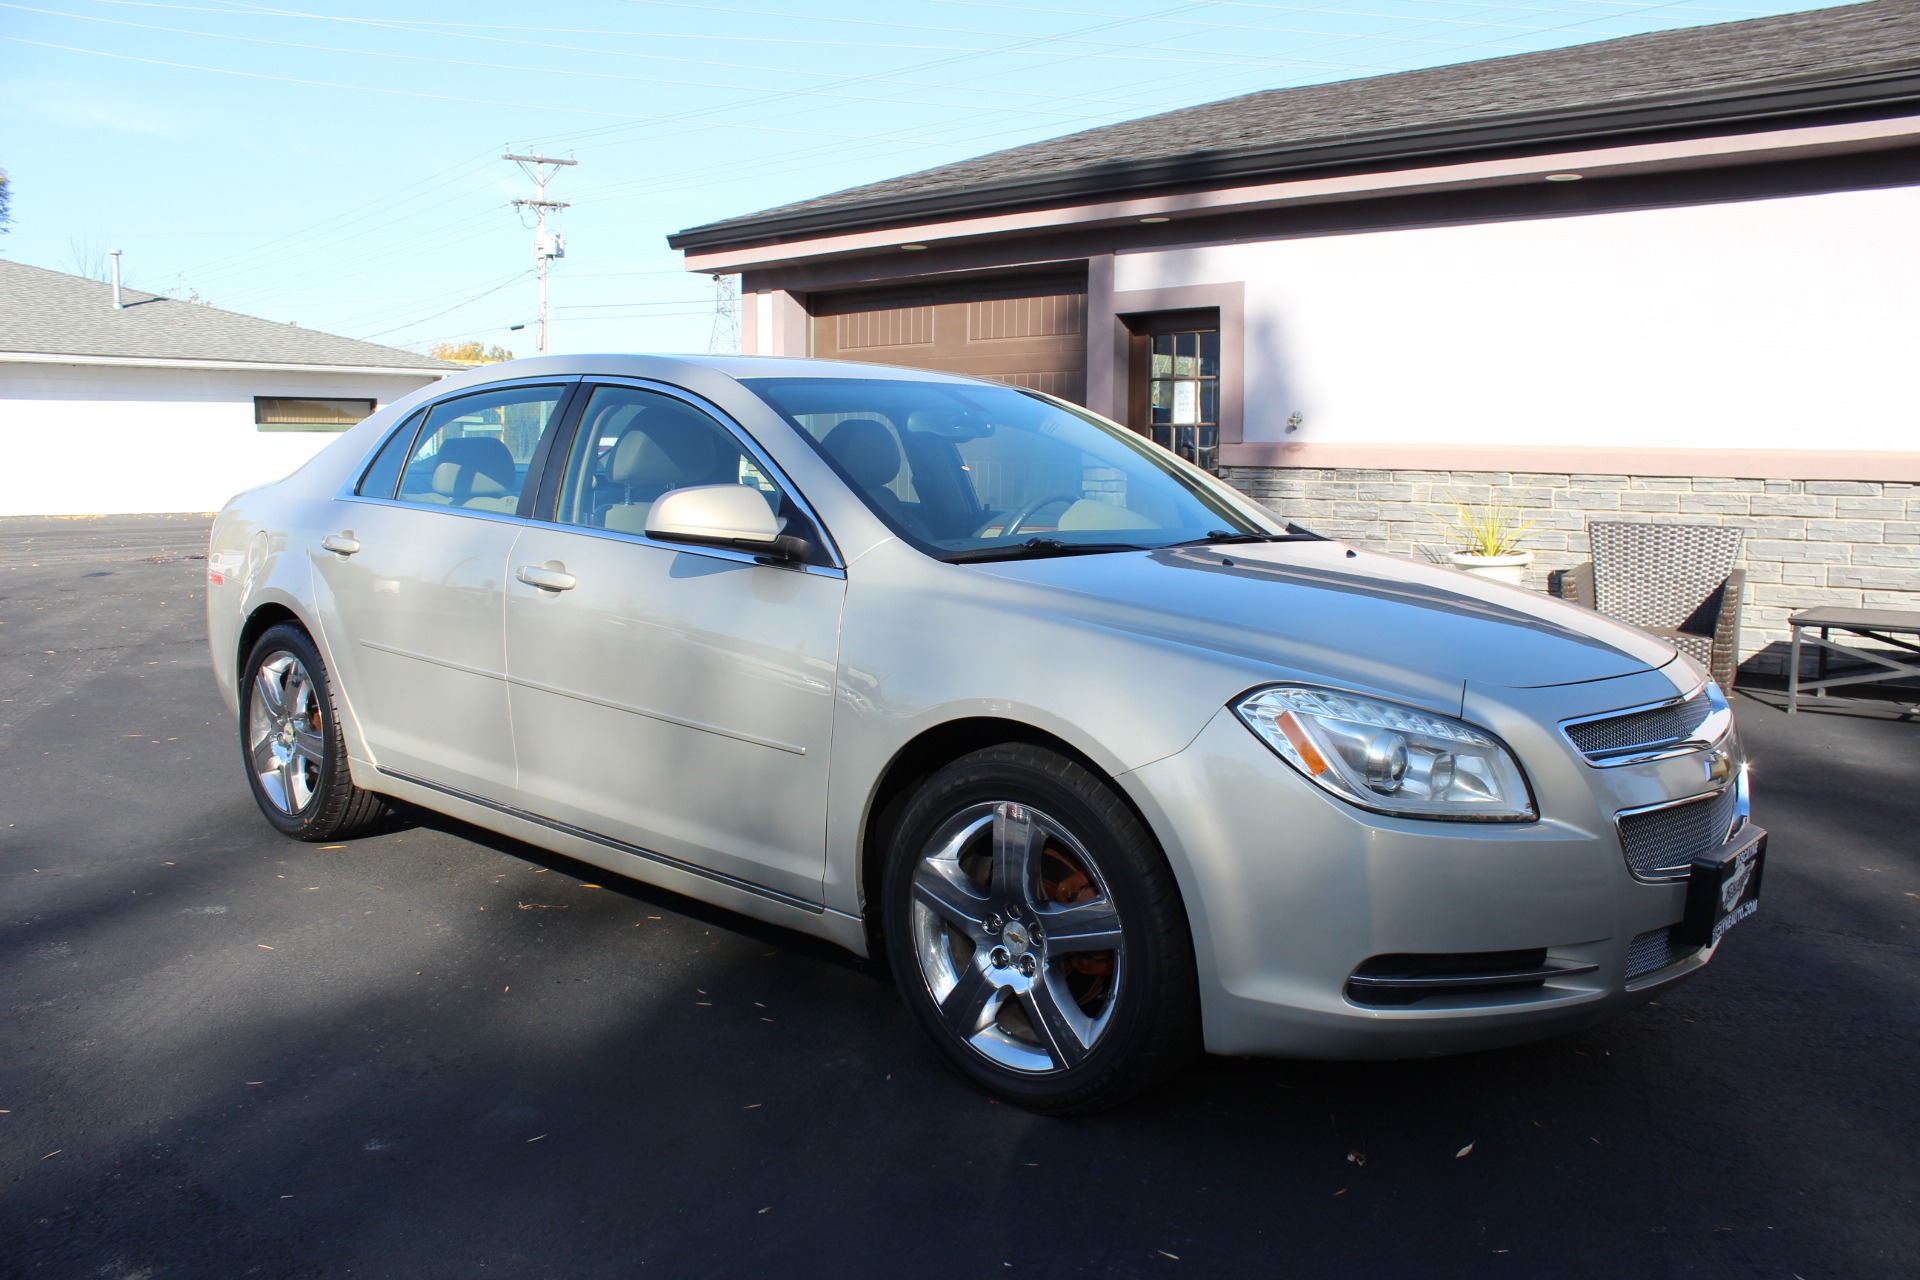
[
  {"x": 547, "y": 579},
  {"x": 341, "y": 544}
]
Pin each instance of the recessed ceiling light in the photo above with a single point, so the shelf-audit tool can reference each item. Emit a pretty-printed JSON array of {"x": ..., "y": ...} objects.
[
  {"x": 914, "y": 247},
  {"x": 1565, "y": 177},
  {"x": 1156, "y": 219}
]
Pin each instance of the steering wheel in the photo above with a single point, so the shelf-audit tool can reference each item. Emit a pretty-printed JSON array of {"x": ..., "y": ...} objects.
[{"x": 1011, "y": 522}]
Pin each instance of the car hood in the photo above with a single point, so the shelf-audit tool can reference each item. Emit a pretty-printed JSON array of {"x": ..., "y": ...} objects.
[{"x": 1328, "y": 609}]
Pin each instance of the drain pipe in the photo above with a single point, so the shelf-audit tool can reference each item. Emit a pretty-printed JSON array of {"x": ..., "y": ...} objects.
[{"x": 117, "y": 304}]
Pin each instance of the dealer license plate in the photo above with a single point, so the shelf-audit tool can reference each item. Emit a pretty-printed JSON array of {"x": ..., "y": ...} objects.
[{"x": 1724, "y": 887}]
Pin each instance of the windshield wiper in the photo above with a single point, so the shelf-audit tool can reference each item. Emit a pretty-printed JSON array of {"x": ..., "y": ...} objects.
[
  {"x": 1037, "y": 549},
  {"x": 1217, "y": 537}
]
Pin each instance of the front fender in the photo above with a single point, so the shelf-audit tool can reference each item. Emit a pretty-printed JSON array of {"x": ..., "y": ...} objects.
[{"x": 923, "y": 647}]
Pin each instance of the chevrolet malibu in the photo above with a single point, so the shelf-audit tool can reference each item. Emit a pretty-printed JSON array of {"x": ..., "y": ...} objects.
[{"x": 1110, "y": 763}]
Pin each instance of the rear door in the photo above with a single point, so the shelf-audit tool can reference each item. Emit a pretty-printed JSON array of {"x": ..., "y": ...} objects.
[
  {"x": 677, "y": 700},
  {"x": 411, "y": 585}
]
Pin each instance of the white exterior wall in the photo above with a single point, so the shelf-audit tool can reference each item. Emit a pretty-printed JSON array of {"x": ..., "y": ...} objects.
[
  {"x": 104, "y": 440},
  {"x": 1772, "y": 324}
]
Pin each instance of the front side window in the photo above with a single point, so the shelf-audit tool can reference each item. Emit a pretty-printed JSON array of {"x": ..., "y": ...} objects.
[
  {"x": 473, "y": 452},
  {"x": 633, "y": 446},
  {"x": 965, "y": 471}
]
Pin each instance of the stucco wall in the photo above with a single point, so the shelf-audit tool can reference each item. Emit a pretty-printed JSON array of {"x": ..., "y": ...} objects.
[
  {"x": 1767, "y": 330},
  {"x": 1779, "y": 324},
  {"x": 102, "y": 440}
]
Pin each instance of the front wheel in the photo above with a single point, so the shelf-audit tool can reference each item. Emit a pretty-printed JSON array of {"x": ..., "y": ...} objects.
[
  {"x": 290, "y": 736},
  {"x": 1038, "y": 934}
]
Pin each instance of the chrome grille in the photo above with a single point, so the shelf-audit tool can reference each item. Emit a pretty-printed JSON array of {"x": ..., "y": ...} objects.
[
  {"x": 1658, "y": 727},
  {"x": 1653, "y": 951},
  {"x": 1664, "y": 842}
]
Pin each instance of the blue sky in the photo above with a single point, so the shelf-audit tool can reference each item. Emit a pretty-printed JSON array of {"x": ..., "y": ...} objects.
[{"x": 338, "y": 165}]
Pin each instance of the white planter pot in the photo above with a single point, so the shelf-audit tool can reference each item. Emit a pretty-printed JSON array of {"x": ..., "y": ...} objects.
[{"x": 1510, "y": 568}]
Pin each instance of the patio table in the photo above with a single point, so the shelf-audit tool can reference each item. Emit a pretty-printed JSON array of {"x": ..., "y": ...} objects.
[{"x": 1883, "y": 625}]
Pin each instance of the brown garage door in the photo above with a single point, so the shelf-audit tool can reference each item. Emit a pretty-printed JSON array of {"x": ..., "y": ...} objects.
[{"x": 1029, "y": 331}]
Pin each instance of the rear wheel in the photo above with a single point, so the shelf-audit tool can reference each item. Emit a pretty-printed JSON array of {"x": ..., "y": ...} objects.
[
  {"x": 290, "y": 736},
  {"x": 1037, "y": 933}
]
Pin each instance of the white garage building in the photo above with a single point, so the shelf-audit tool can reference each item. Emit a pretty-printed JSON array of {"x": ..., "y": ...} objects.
[{"x": 160, "y": 405}]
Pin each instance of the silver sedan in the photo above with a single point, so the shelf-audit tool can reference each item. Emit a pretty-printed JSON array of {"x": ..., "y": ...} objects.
[{"x": 1109, "y": 763}]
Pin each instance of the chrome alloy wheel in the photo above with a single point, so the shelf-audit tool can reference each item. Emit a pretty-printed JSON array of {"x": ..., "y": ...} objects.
[
  {"x": 1017, "y": 937},
  {"x": 286, "y": 742}
]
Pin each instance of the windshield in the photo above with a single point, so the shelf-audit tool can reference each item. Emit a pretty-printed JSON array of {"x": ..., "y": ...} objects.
[{"x": 970, "y": 472}]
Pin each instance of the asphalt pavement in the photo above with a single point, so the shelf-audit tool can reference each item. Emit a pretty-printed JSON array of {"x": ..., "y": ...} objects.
[{"x": 436, "y": 1052}]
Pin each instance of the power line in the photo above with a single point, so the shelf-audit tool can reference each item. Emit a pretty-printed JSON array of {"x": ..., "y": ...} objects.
[
  {"x": 885, "y": 144},
  {"x": 518, "y": 275},
  {"x": 1115, "y": 50},
  {"x": 443, "y": 30},
  {"x": 361, "y": 319},
  {"x": 631, "y": 117},
  {"x": 975, "y": 140},
  {"x": 412, "y": 248},
  {"x": 354, "y": 217},
  {"x": 570, "y": 72},
  {"x": 656, "y": 302}
]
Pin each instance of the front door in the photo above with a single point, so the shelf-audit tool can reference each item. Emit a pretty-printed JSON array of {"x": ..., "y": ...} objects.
[
  {"x": 411, "y": 587},
  {"x": 1173, "y": 395},
  {"x": 676, "y": 699}
]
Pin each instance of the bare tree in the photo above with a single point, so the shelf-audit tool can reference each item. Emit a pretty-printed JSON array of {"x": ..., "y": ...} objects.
[{"x": 87, "y": 256}]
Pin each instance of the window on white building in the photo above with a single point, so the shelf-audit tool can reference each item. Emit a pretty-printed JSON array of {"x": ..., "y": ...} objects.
[{"x": 306, "y": 413}]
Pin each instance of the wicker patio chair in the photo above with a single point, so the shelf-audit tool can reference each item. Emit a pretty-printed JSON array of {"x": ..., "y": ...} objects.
[{"x": 1677, "y": 581}]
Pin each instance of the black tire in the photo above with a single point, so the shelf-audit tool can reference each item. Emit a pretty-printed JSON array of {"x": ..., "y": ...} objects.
[
  {"x": 298, "y": 772},
  {"x": 1093, "y": 1039}
]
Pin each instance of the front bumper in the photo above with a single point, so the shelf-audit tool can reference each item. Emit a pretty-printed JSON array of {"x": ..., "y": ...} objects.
[{"x": 1289, "y": 891}]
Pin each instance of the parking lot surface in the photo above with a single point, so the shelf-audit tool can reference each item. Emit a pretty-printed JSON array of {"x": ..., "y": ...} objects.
[{"x": 436, "y": 1052}]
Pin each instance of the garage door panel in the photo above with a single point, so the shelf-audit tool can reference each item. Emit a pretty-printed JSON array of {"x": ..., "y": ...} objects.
[
  {"x": 1007, "y": 319},
  {"x": 1026, "y": 332}
]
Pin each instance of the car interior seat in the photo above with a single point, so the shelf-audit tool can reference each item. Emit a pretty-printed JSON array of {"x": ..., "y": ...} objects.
[
  {"x": 665, "y": 448},
  {"x": 866, "y": 449},
  {"x": 476, "y": 473}
]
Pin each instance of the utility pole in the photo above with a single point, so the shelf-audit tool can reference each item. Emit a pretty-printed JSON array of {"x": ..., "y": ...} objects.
[
  {"x": 725, "y": 340},
  {"x": 545, "y": 247}
]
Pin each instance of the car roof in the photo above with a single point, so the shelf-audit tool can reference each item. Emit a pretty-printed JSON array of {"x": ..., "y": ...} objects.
[{"x": 671, "y": 368}]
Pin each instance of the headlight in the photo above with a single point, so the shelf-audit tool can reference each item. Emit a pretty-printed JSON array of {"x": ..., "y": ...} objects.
[{"x": 1389, "y": 758}]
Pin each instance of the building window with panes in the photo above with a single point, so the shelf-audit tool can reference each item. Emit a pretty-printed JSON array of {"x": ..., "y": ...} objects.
[{"x": 1176, "y": 383}]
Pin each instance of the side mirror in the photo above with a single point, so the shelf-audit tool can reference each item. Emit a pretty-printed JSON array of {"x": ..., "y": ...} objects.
[{"x": 722, "y": 515}]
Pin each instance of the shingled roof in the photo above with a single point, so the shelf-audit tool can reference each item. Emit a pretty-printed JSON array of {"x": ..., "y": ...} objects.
[
  {"x": 1736, "y": 75},
  {"x": 50, "y": 313}
]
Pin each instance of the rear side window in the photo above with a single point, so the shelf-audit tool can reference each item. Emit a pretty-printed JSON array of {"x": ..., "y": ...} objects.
[
  {"x": 473, "y": 452},
  {"x": 384, "y": 475}
]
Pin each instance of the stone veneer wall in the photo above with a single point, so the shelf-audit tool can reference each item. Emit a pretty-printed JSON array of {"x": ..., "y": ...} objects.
[{"x": 1808, "y": 542}]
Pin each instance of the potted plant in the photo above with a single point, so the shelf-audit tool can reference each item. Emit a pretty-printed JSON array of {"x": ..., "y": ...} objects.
[{"x": 1488, "y": 538}]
